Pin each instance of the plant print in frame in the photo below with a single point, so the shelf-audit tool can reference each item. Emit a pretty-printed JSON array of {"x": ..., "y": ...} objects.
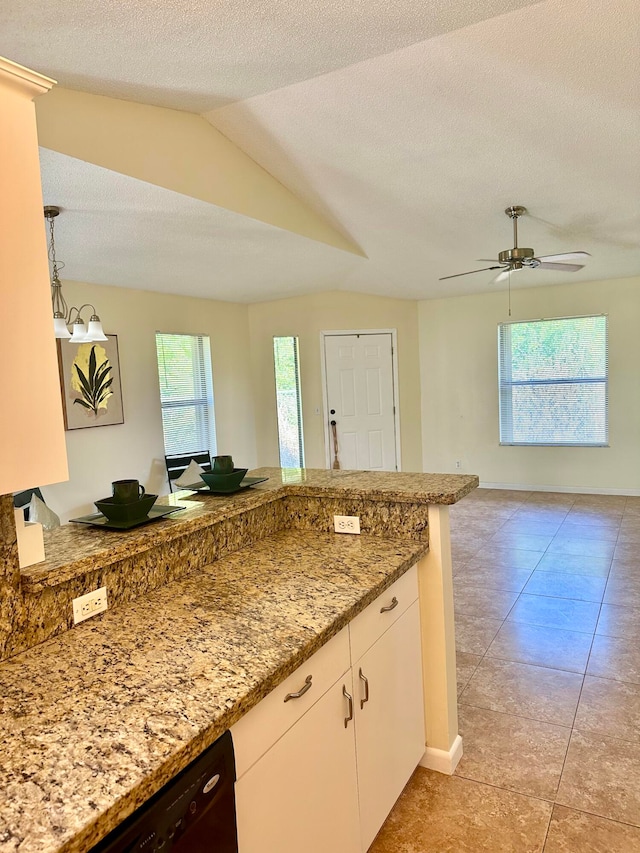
[{"x": 90, "y": 379}]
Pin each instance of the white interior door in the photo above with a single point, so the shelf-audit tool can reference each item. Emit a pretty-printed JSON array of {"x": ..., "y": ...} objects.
[{"x": 360, "y": 399}]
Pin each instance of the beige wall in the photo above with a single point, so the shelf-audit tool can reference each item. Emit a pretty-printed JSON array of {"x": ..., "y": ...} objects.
[
  {"x": 177, "y": 150},
  {"x": 306, "y": 317},
  {"x": 447, "y": 356},
  {"x": 135, "y": 449},
  {"x": 458, "y": 356}
]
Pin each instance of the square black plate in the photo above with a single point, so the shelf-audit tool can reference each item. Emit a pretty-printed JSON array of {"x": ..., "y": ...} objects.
[
  {"x": 97, "y": 519},
  {"x": 245, "y": 484}
]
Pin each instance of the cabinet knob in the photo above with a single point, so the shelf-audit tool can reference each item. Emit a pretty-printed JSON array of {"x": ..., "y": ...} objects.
[
  {"x": 349, "y": 699},
  {"x": 392, "y": 606},
  {"x": 306, "y": 686}
]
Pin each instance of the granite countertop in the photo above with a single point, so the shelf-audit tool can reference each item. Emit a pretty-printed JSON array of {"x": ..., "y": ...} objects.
[
  {"x": 382, "y": 485},
  {"x": 95, "y": 721},
  {"x": 74, "y": 548}
]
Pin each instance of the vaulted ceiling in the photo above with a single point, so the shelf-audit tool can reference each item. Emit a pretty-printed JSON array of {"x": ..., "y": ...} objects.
[{"x": 402, "y": 131}]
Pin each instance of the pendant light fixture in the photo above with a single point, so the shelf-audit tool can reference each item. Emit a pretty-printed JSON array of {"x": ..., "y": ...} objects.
[{"x": 63, "y": 316}]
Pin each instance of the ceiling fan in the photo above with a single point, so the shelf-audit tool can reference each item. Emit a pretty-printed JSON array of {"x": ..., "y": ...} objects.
[{"x": 518, "y": 258}]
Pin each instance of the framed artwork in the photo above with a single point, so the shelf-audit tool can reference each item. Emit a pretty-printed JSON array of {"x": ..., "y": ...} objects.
[{"x": 90, "y": 381}]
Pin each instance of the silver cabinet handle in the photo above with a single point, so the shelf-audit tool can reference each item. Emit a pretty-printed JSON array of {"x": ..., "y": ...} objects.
[
  {"x": 365, "y": 681},
  {"x": 392, "y": 606},
  {"x": 349, "y": 699},
  {"x": 302, "y": 691}
]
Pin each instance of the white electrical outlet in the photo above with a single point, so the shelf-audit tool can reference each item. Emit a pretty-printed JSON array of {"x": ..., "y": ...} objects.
[
  {"x": 89, "y": 605},
  {"x": 458, "y": 464},
  {"x": 346, "y": 523}
]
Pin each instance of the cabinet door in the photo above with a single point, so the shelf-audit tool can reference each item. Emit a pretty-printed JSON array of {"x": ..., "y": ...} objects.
[
  {"x": 390, "y": 739},
  {"x": 302, "y": 794}
]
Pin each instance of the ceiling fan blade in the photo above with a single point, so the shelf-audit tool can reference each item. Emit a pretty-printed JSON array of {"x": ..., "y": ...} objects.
[
  {"x": 487, "y": 261},
  {"x": 458, "y": 274},
  {"x": 560, "y": 267},
  {"x": 502, "y": 276},
  {"x": 565, "y": 256}
]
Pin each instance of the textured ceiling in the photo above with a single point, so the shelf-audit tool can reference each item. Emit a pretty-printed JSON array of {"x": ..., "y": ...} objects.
[
  {"x": 414, "y": 153},
  {"x": 418, "y": 152},
  {"x": 116, "y": 229},
  {"x": 196, "y": 55}
]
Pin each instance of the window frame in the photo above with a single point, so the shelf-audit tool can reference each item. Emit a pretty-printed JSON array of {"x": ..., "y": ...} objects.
[
  {"x": 298, "y": 399},
  {"x": 204, "y": 403},
  {"x": 505, "y": 387}
]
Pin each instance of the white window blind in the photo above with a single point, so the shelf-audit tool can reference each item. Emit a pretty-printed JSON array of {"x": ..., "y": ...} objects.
[
  {"x": 553, "y": 377},
  {"x": 186, "y": 393}
]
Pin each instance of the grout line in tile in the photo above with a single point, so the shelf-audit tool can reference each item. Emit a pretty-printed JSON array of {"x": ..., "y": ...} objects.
[
  {"x": 552, "y": 802},
  {"x": 590, "y": 733},
  {"x": 508, "y": 790},
  {"x": 529, "y": 504},
  {"x": 546, "y": 835},
  {"x": 526, "y": 663},
  {"x": 597, "y": 815},
  {"x": 568, "y": 726}
]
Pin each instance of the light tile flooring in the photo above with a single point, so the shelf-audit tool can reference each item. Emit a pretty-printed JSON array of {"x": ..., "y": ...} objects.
[{"x": 547, "y": 602}]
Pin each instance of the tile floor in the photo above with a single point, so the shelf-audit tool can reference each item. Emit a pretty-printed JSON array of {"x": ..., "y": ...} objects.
[{"x": 547, "y": 600}]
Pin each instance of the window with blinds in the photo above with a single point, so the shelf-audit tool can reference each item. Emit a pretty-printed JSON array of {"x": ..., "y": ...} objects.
[
  {"x": 186, "y": 393},
  {"x": 553, "y": 378},
  {"x": 288, "y": 402}
]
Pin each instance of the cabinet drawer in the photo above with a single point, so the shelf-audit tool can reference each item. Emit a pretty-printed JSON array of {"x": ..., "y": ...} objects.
[
  {"x": 365, "y": 629},
  {"x": 261, "y": 727}
]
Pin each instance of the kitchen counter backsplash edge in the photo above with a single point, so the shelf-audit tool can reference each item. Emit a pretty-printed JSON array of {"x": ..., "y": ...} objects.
[{"x": 135, "y": 563}]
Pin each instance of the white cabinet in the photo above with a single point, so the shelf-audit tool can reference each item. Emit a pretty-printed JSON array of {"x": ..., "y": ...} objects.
[
  {"x": 389, "y": 720},
  {"x": 321, "y": 772},
  {"x": 302, "y": 795}
]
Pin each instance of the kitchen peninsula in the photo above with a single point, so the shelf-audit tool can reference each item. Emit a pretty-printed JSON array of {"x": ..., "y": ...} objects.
[{"x": 209, "y": 611}]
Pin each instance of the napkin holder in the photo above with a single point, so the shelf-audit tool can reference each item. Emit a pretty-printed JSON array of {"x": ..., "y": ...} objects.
[{"x": 30, "y": 541}]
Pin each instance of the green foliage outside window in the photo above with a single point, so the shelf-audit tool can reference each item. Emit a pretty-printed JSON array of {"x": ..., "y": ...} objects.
[{"x": 554, "y": 381}]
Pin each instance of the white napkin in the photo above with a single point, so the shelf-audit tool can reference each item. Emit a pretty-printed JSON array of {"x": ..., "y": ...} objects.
[
  {"x": 40, "y": 512},
  {"x": 190, "y": 476}
]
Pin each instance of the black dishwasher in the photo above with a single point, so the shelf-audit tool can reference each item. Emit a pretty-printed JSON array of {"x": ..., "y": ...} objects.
[{"x": 193, "y": 813}]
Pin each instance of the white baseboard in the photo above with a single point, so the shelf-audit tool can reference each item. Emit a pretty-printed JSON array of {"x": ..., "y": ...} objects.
[
  {"x": 442, "y": 760},
  {"x": 578, "y": 490}
]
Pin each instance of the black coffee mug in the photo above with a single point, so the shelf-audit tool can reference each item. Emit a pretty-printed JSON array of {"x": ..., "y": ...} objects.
[
  {"x": 127, "y": 491},
  {"x": 222, "y": 464}
]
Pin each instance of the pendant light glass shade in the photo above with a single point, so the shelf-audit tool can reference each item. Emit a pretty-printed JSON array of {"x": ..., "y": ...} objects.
[
  {"x": 60, "y": 328},
  {"x": 79, "y": 335},
  {"x": 94, "y": 330}
]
